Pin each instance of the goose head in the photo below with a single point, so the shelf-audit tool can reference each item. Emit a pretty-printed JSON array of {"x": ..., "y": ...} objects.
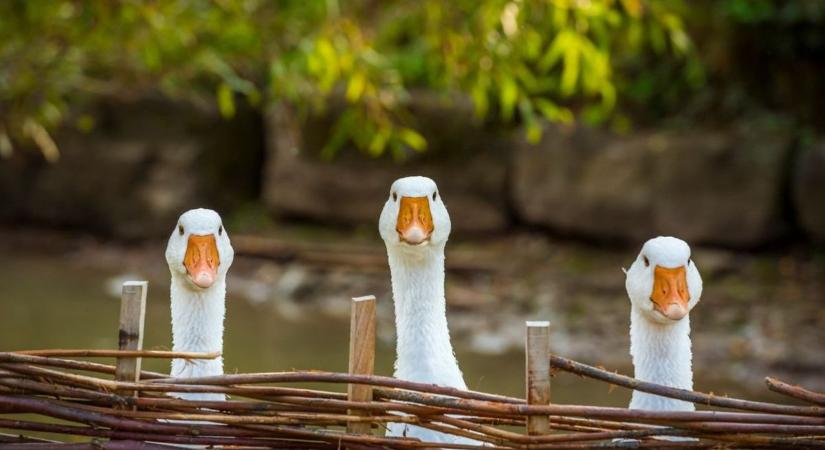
[
  {"x": 663, "y": 281},
  {"x": 414, "y": 217},
  {"x": 199, "y": 252}
]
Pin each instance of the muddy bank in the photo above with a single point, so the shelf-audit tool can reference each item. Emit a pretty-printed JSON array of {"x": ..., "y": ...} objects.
[{"x": 760, "y": 314}]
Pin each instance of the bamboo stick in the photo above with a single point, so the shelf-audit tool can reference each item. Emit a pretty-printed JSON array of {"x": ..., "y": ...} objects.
[
  {"x": 176, "y": 386},
  {"x": 25, "y": 385},
  {"x": 334, "y": 377},
  {"x": 19, "y": 438},
  {"x": 796, "y": 392},
  {"x": 87, "y": 366},
  {"x": 474, "y": 406},
  {"x": 445, "y": 429},
  {"x": 61, "y": 411},
  {"x": 447, "y": 402},
  {"x": 680, "y": 394},
  {"x": 279, "y": 416},
  {"x": 497, "y": 408},
  {"x": 88, "y": 353},
  {"x": 187, "y": 417},
  {"x": 110, "y": 445},
  {"x": 285, "y": 418},
  {"x": 75, "y": 430}
]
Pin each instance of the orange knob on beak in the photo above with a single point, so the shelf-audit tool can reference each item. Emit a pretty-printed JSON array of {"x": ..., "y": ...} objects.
[
  {"x": 670, "y": 293},
  {"x": 202, "y": 260},
  {"x": 415, "y": 223}
]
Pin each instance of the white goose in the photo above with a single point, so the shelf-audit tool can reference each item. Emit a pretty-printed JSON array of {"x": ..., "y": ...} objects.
[
  {"x": 199, "y": 255},
  {"x": 663, "y": 285},
  {"x": 415, "y": 225}
]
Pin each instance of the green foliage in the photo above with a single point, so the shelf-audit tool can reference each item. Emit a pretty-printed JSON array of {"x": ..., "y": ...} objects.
[
  {"x": 761, "y": 11},
  {"x": 521, "y": 61}
]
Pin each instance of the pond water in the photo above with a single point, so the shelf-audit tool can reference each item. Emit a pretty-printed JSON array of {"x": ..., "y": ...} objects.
[{"x": 46, "y": 303}]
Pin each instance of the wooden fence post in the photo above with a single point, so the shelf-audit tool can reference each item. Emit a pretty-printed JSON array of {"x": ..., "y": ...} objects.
[
  {"x": 130, "y": 335},
  {"x": 361, "y": 356},
  {"x": 537, "y": 349}
]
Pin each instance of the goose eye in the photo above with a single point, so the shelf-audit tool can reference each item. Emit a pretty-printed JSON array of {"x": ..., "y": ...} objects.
[
  {"x": 220, "y": 230},
  {"x": 435, "y": 195},
  {"x": 180, "y": 229},
  {"x": 394, "y": 197},
  {"x": 647, "y": 261}
]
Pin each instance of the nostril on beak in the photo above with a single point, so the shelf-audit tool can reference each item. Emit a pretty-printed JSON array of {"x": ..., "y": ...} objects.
[
  {"x": 675, "y": 311},
  {"x": 414, "y": 235}
]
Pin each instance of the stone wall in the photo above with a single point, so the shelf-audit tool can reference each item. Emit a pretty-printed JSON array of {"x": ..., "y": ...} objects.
[
  {"x": 706, "y": 186},
  {"x": 808, "y": 190},
  {"x": 724, "y": 186},
  {"x": 144, "y": 163},
  {"x": 744, "y": 185},
  {"x": 469, "y": 163}
]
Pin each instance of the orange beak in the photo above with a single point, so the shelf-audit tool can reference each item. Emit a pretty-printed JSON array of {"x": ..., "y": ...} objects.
[
  {"x": 202, "y": 260},
  {"x": 670, "y": 294},
  {"x": 415, "y": 223}
]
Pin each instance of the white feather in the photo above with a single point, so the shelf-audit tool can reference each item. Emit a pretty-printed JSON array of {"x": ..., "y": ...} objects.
[
  {"x": 660, "y": 347},
  {"x": 423, "y": 349},
  {"x": 197, "y": 313}
]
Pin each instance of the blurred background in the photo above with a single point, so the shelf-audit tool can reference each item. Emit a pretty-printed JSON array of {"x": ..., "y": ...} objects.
[{"x": 562, "y": 134}]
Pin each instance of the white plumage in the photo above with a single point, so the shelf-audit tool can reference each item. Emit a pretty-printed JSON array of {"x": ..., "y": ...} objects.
[
  {"x": 199, "y": 255},
  {"x": 415, "y": 226},
  {"x": 663, "y": 285}
]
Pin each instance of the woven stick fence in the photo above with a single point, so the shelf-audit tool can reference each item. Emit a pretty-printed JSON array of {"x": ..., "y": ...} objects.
[{"x": 121, "y": 406}]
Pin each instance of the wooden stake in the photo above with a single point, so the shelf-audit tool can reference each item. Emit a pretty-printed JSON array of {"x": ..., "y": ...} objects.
[
  {"x": 361, "y": 356},
  {"x": 537, "y": 348},
  {"x": 130, "y": 337}
]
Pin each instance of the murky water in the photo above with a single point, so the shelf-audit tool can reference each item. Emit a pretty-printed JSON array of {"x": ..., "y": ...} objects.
[{"x": 46, "y": 303}]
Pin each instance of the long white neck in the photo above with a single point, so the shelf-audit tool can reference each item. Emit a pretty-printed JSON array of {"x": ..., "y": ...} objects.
[
  {"x": 661, "y": 354},
  {"x": 424, "y": 352},
  {"x": 197, "y": 326}
]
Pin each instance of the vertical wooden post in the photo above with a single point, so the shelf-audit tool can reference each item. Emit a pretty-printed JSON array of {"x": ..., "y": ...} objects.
[
  {"x": 130, "y": 335},
  {"x": 537, "y": 349},
  {"x": 361, "y": 356}
]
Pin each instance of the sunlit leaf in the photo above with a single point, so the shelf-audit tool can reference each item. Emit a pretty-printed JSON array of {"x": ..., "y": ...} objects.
[
  {"x": 553, "y": 112},
  {"x": 341, "y": 132},
  {"x": 356, "y": 86},
  {"x": 6, "y": 147},
  {"x": 633, "y": 7},
  {"x": 570, "y": 72},
  {"x": 85, "y": 123},
  {"x": 657, "y": 39},
  {"x": 479, "y": 95},
  {"x": 412, "y": 138},
  {"x": 508, "y": 95},
  {"x": 534, "y": 131},
  {"x": 43, "y": 139},
  {"x": 541, "y": 57},
  {"x": 555, "y": 51},
  {"x": 226, "y": 100},
  {"x": 608, "y": 96}
]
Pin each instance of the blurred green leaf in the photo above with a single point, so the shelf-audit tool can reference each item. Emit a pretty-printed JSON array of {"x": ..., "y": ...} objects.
[
  {"x": 85, "y": 123},
  {"x": 412, "y": 138},
  {"x": 356, "y": 86},
  {"x": 531, "y": 61},
  {"x": 6, "y": 147},
  {"x": 226, "y": 100},
  {"x": 508, "y": 90},
  {"x": 570, "y": 73}
]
